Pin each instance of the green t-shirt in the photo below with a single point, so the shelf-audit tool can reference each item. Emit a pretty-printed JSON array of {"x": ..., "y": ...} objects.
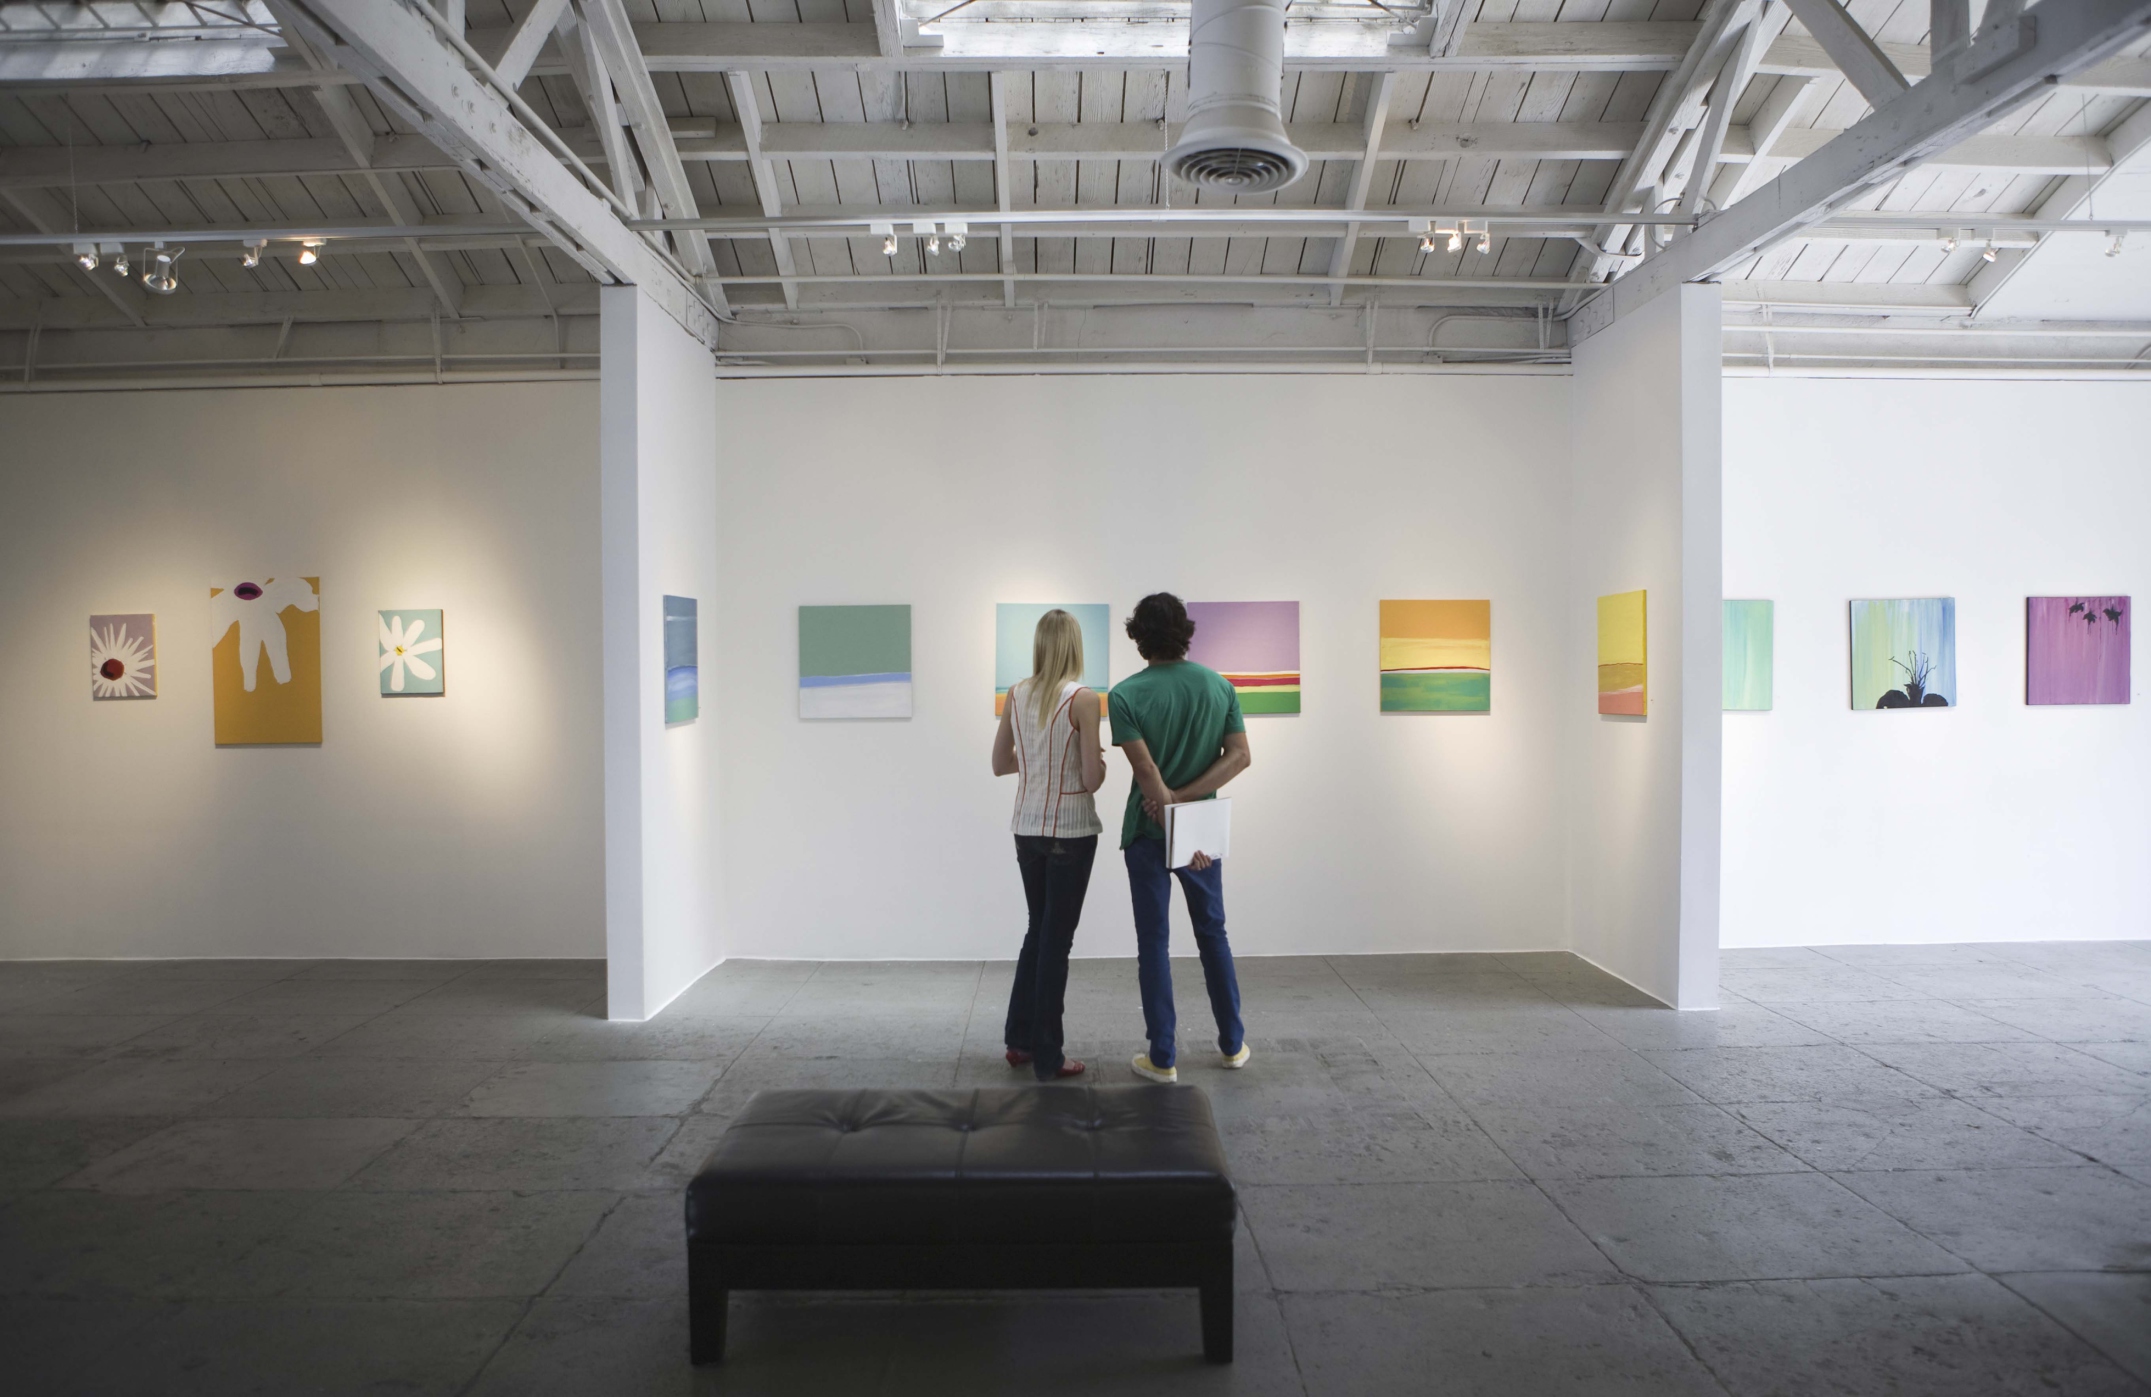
[{"x": 1181, "y": 712}]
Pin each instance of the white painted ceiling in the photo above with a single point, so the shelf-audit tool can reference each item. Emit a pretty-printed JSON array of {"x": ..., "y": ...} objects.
[{"x": 1505, "y": 119}]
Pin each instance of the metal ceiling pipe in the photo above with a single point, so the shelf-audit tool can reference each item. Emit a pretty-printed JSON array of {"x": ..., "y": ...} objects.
[{"x": 1235, "y": 139}]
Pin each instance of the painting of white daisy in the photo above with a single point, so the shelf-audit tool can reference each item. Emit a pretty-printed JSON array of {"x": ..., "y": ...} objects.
[
  {"x": 411, "y": 659},
  {"x": 123, "y": 656}
]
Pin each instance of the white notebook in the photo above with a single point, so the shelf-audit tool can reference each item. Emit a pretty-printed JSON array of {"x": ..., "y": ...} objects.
[{"x": 1197, "y": 824}]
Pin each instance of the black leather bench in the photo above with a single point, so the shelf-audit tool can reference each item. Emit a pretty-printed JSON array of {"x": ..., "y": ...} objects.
[{"x": 998, "y": 1188}]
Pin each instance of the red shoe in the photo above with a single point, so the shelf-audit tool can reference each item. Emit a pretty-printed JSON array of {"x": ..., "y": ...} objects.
[
  {"x": 1017, "y": 1057},
  {"x": 1070, "y": 1068}
]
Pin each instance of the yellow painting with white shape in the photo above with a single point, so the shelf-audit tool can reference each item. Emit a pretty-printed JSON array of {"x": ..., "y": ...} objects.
[{"x": 265, "y": 660}]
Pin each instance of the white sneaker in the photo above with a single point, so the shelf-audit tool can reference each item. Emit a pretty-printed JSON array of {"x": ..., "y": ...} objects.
[
  {"x": 1238, "y": 1060},
  {"x": 1143, "y": 1068}
]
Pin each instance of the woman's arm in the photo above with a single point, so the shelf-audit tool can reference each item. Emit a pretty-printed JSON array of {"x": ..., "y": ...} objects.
[
  {"x": 1083, "y": 711},
  {"x": 1004, "y": 744}
]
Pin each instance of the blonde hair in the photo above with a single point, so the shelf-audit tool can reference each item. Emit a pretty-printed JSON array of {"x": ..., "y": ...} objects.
[{"x": 1056, "y": 658}]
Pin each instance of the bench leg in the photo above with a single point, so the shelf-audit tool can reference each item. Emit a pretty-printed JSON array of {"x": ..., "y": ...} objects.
[
  {"x": 1217, "y": 1312},
  {"x": 707, "y": 1300}
]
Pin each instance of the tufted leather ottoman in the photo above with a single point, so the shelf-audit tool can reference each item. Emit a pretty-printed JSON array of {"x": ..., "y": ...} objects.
[{"x": 998, "y": 1188}]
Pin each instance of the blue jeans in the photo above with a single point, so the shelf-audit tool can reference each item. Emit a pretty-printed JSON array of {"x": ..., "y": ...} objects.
[
  {"x": 1056, "y": 873},
  {"x": 1150, "y": 884}
]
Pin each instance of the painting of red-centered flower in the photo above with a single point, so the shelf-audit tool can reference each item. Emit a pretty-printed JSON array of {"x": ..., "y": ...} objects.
[
  {"x": 123, "y": 656},
  {"x": 2076, "y": 649}
]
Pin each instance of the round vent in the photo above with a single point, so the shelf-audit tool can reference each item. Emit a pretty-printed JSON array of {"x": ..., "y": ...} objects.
[
  {"x": 1238, "y": 169},
  {"x": 1233, "y": 141}
]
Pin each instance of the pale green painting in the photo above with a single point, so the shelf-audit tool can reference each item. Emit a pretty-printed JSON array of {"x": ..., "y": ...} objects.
[{"x": 1749, "y": 639}]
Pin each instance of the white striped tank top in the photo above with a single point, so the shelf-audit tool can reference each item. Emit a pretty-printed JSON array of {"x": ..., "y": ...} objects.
[{"x": 1050, "y": 798}]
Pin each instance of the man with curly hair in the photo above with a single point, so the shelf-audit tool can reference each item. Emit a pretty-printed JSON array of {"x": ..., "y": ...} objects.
[{"x": 1181, "y": 728}]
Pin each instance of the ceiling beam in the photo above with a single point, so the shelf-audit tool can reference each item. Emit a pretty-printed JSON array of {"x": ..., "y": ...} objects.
[
  {"x": 749, "y": 110},
  {"x": 607, "y": 23},
  {"x": 2018, "y": 155},
  {"x": 526, "y": 39},
  {"x": 419, "y": 77},
  {"x": 1771, "y": 123},
  {"x": 187, "y": 309},
  {"x": 1661, "y": 126},
  {"x": 704, "y": 139},
  {"x": 700, "y": 138},
  {"x": 254, "y": 61},
  {"x": 2129, "y": 142},
  {"x": 1864, "y": 297},
  {"x": 1003, "y": 191},
  {"x": 358, "y": 140},
  {"x": 44, "y": 213},
  {"x": 52, "y": 167},
  {"x": 1340, "y": 259},
  {"x": 1852, "y": 49},
  {"x": 2009, "y": 63}
]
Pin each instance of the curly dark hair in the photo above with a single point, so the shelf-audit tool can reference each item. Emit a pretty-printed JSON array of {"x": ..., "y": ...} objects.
[{"x": 1160, "y": 627}]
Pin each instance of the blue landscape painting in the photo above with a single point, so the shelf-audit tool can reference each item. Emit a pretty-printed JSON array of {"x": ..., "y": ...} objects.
[{"x": 682, "y": 692}]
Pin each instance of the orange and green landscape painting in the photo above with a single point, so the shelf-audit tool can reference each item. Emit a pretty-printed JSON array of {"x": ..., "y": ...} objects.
[
  {"x": 1621, "y": 654},
  {"x": 1437, "y": 656}
]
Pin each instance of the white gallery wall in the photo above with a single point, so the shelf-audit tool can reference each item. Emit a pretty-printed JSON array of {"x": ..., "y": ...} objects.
[
  {"x": 464, "y": 825},
  {"x": 1354, "y": 831},
  {"x": 1987, "y": 821},
  {"x": 657, "y": 428},
  {"x": 1643, "y": 514}
]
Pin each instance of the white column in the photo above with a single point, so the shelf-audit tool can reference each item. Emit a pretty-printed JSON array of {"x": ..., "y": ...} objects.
[
  {"x": 657, "y": 505},
  {"x": 1646, "y": 513}
]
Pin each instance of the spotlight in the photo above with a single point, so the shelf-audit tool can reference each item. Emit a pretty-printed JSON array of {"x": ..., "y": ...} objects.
[
  {"x": 933, "y": 244},
  {"x": 959, "y": 234},
  {"x": 1456, "y": 241},
  {"x": 1987, "y": 254},
  {"x": 308, "y": 254},
  {"x": 252, "y": 256},
  {"x": 1426, "y": 242},
  {"x": 887, "y": 233},
  {"x": 2113, "y": 249},
  {"x": 888, "y": 245},
  {"x": 162, "y": 277},
  {"x": 1949, "y": 243},
  {"x": 1486, "y": 241},
  {"x": 119, "y": 261},
  {"x": 86, "y": 256}
]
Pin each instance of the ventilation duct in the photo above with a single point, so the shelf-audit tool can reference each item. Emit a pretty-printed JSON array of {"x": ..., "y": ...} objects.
[{"x": 1234, "y": 141}]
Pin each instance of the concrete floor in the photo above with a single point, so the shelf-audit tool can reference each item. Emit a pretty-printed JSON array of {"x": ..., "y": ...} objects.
[{"x": 1886, "y": 1170}]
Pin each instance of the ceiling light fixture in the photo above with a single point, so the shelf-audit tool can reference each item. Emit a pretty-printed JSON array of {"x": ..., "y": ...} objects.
[
  {"x": 886, "y": 231},
  {"x": 119, "y": 261},
  {"x": 959, "y": 234},
  {"x": 2113, "y": 249},
  {"x": 933, "y": 244},
  {"x": 162, "y": 277},
  {"x": 1949, "y": 242},
  {"x": 252, "y": 256},
  {"x": 86, "y": 256},
  {"x": 308, "y": 254},
  {"x": 1486, "y": 241},
  {"x": 1456, "y": 240},
  {"x": 1987, "y": 254},
  {"x": 1426, "y": 242}
]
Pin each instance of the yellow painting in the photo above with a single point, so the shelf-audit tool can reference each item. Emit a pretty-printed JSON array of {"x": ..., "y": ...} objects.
[
  {"x": 265, "y": 660},
  {"x": 1622, "y": 655}
]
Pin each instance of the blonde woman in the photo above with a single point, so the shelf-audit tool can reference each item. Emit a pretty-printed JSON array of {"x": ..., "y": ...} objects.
[{"x": 1049, "y": 741}]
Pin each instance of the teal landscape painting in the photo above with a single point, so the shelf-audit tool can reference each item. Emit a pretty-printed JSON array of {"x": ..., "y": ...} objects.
[{"x": 1749, "y": 627}]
